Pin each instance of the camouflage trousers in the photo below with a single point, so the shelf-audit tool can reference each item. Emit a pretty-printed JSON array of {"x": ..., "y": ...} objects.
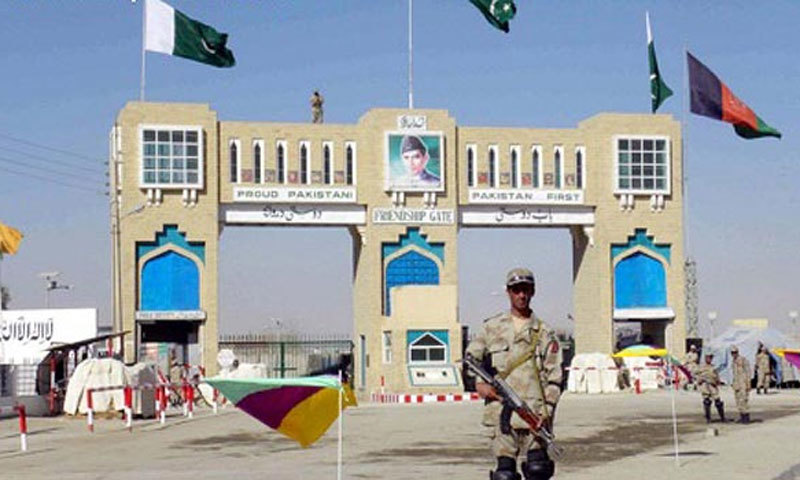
[
  {"x": 763, "y": 380},
  {"x": 514, "y": 444},
  {"x": 741, "y": 401}
]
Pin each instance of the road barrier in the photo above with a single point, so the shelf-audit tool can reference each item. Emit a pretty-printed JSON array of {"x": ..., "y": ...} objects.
[
  {"x": 187, "y": 400},
  {"x": 23, "y": 423}
]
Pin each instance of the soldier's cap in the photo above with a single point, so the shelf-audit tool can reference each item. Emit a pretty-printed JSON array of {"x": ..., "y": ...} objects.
[
  {"x": 516, "y": 276},
  {"x": 692, "y": 347},
  {"x": 412, "y": 142},
  {"x": 734, "y": 349},
  {"x": 709, "y": 354}
]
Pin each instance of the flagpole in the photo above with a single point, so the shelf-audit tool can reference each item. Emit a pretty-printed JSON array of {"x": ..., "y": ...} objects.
[
  {"x": 339, "y": 446},
  {"x": 684, "y": 161},
  {"x": 410, "y": 55},
  {"x": 144, "y": 39}
]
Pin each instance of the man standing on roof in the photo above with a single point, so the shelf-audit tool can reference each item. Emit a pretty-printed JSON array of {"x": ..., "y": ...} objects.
[
  {"x": 520, "y": 347},
  {"x": 707, "y": 380},
  {"x": 763, "y": 369},
  {"x": 741, "y": 384}
]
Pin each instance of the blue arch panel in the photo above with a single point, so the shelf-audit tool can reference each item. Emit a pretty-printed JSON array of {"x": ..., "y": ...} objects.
[
  {"x": 170, "y": 282},
  {"x": 639, "y": 282},
  {"x": 411, "y": 268},
  {"x": 441, "y": 335}
]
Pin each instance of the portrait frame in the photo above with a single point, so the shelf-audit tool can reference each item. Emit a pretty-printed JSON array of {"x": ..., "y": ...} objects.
[{"x": 396, "y": 176}]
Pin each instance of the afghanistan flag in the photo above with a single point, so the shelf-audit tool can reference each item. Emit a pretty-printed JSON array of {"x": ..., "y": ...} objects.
[
  {"x": 659, "y": 91},
  {"x": 712, "y": 98},
  {"x": 497, "y": 12},
  {"x": 301, "y": 408},
  {"x": 170, "y": 31},
  {"x": 9, "y": 240}
]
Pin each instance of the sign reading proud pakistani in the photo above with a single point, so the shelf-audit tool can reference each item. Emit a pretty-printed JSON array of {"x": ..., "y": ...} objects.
[
  {"x": 525, "y": 197},
  {"x": 294, "y": 195}
]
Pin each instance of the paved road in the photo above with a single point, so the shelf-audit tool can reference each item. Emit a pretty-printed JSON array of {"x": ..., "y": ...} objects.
[{"x": 621, "y": 436}]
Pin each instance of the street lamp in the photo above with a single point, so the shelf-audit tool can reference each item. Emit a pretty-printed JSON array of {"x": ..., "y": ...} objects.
[
  {"x": 51, "y": 283},
  {"x": 712, "y": 318}
]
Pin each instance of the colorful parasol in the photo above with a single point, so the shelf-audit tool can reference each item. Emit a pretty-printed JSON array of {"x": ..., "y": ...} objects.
[
  {"x": 641, "y": 351},
  {"x": 791, "y": 355},
  {"x": 301, "y": 408}
]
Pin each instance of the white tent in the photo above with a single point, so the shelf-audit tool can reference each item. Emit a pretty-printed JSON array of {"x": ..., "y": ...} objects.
[
  {"x": 95, "y": 373},
  {"x": 592, "y": 373},
  {"x": 747, "y": 340}
]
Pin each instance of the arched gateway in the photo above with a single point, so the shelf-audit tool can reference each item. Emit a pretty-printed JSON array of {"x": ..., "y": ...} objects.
[{"x": 403, "y": 182}]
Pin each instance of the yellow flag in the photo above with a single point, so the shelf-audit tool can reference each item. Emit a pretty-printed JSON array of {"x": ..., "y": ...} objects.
[{"x": 9, "y": 239}]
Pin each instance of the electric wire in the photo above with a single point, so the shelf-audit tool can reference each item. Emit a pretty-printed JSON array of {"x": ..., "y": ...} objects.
[
  {"x": 52, "y": 149},
  {"x": 47, "y": 170},
  {"x": 50, "y": 160},
  {"x": 45, "y": 179}
]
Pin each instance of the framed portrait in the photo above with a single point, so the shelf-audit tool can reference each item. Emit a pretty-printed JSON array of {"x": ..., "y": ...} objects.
[{"x": 414, "y": 162}]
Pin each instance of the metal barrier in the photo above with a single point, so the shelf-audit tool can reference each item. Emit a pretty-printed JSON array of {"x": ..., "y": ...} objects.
[{"x": 23, "y": 424}]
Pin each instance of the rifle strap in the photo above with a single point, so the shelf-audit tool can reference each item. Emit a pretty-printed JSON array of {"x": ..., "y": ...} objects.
[{"x": 527, "y": 355}]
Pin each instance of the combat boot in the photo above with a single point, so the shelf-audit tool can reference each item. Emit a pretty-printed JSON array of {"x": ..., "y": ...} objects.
[
  {"x": 720, "y": 410},
  {"x": 744, "y": 418},
  {"x": 707, "y": 411}
]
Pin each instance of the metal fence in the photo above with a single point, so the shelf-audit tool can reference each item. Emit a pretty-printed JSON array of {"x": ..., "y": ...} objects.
[{"x": 290, "y": 355}]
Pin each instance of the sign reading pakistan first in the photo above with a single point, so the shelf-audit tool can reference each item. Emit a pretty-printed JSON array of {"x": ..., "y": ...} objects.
[{"x": 414, "y": 162}]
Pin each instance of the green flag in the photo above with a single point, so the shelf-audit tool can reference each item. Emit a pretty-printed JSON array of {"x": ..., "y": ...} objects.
[
  {"x": 659, "y": 91},
  {"x": 497, "y": 12},
  {"x": 170, "y": 31}
]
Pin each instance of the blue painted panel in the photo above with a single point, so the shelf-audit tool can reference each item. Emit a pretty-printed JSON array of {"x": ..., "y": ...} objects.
[
  {"x": 170, "y": 282},
  {"x": 411, "y": 268},
  {"x": 639, "y": 281},
  {"x": 640, "y": 238},
  {"x": 171, "y": 235},
  {"x": 413, "y": 237},
  {"x": 441, "y": 335}
]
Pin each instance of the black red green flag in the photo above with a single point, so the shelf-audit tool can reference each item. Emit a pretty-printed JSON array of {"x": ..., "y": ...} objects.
[
  {"x": 712, "y": 98},
  {"x": 497, "y": 12}
]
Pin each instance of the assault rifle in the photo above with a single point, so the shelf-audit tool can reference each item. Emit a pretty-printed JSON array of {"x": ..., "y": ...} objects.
[{"x": 512, "y": 401}]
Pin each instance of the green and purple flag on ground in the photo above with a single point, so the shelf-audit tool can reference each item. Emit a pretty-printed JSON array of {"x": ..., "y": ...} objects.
[
  {"x": 659, "y": 91},
  {"x": 169, "y": 31},
  {"x": 497, "y": 12},
  {"x": 712, "y": 98}
]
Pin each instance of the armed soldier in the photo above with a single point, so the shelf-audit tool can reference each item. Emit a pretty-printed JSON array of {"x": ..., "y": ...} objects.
[
  {"x": 520, "y": 348},
  {"x": 691, "y": 361},
  {"x": 741, "y": 384},
  {"x": 763, "y": 369},
  {"x": 708, "y": 382}
]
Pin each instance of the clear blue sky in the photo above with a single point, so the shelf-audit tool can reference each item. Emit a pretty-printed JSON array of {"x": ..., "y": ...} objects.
[{"x": 69, "y": 66}]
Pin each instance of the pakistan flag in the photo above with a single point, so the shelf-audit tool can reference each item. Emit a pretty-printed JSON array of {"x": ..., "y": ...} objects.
[
  {"x": 169, "y": 31},
  {"x": 497, "y": 12},
  {"x": 659, "y": 91}
]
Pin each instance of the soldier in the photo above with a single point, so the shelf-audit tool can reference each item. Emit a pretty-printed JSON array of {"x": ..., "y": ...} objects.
[
  {"x": 708, "y": 381},
  {"x": 316, "y": 107},
  {"x": 763, "y": 369},
  {"x": 741, "y": 384},
  {"x": 519, "y": 346},
  {"x": 690, "y": 361}
]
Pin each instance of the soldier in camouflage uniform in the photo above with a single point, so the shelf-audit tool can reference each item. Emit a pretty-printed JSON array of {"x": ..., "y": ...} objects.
[
  {"x": 691, "y": 362},
  {"x": 316, "y": 107},
  {"x": 763, "y": 369},
  {"x": 741, "y": 384},
  {"x": 509, "y": 343},
  {"x": 707, "y": 380}
]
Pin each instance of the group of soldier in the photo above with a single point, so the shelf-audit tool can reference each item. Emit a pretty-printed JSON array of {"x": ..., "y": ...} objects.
[{"x": 707, "y": 380}]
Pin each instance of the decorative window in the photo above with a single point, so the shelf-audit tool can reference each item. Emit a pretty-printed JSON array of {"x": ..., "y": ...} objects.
[
  {"x": 493, "y": 176},
  {"x": 427, "y": 349},
  {"x": 387, "y": 346},
  {"x": 515, "y": 171},
  {"x": 234, "y": 160},
  {"x": 280, "y": 160},
  {"x": 171, "y": 157},
  {"x": 471, "y": 166},
  {"x": 558, "y": 173},
  {"x": 536, "y": 155},
  {"x": 258, "y": 147},
  {"x": 642, "y": 165},
  {"x": 327, "y": 163},
  {"x": 305, "y": 174},
  {"x": 350, "y": 158},
  {"x": 579, "y": 167}
]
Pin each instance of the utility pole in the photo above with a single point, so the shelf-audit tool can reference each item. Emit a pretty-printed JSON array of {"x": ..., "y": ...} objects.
[{"x": 51, "y": 283}]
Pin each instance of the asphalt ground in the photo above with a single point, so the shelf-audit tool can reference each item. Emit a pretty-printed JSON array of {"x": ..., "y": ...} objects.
[{"x": 619, "y": 436}]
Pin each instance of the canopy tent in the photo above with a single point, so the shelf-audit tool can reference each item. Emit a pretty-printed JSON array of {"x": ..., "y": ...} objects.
[{"x": 746, "y": 340}]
